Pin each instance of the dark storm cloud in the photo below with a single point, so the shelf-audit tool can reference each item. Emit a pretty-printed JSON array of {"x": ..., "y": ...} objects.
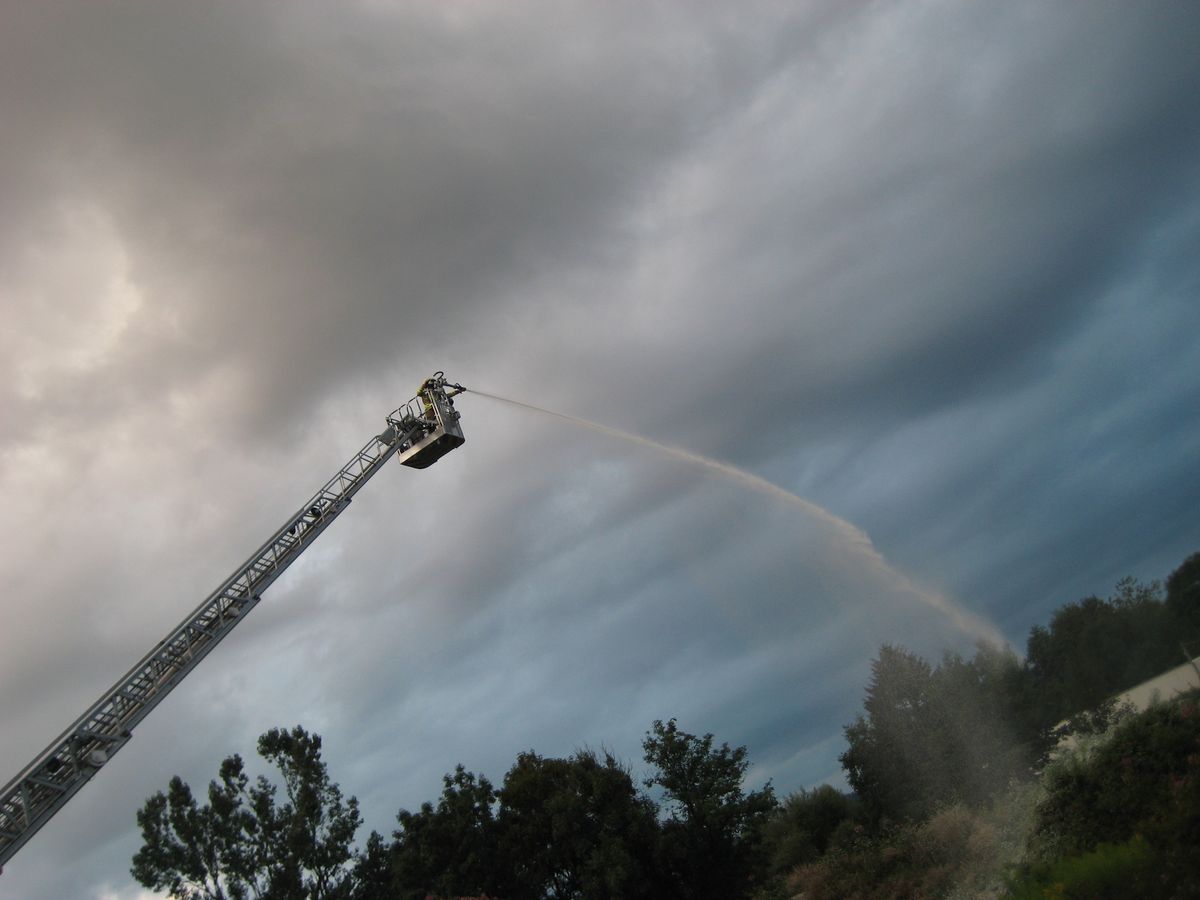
[
  {"x": 928, "y": 229},
  {"x": 409, "y": 168},
  {"x": 930, "y": 265}
]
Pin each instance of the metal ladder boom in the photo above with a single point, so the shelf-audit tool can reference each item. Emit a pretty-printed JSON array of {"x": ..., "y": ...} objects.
[{"x": 46, "y": 784}]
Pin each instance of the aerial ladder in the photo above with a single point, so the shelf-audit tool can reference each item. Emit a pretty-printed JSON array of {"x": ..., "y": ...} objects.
[{"x": 418, "y": 433}]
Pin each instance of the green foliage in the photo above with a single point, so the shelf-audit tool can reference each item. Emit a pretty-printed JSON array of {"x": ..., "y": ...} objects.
[
  {"x": 801, "y": 828},
  {"x": 575, "y": 827},
  {"x": 955, "y": 848},
  {"x": 1094, "y": 649},
  {"x": 1183, "y": 599},
  {"x": 373, "y": 871},
  {"x": 1120, "y": 814},
  {"x": 712, "y": 838},
  {"x": 1174, "y": 829},
  {"x": 1125, "y": 785},
  {"x": 966, "y": 731},
  {"x": 1108, "y": 872},
  {"x": 934, "y": 737},
  {"x": 241, "y": 843},
  {"x": 961, "y": 731},
  {"x": 885, "y": 761},
  {"x": 450, "y": 849},
  {"x": 193, "y": 851},
  {"x": 940, "y": 761},
  {"x": 311, "y": 836},
  {"x": 579, "y": 827}
]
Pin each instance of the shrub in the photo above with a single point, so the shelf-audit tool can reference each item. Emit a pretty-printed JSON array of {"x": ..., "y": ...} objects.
[
  {"x": 1115, "y": 871},
  {"x": 955, "y": 849},
  {"x": 802, "y": 827},
  {"x": 1106, "y": 793},
  {"x": 1121, "y": 817}
]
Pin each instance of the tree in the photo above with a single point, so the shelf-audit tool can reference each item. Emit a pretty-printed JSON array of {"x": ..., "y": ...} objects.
[
  {"x": 1137, "y": 788},
  {"x": 1183, "y": 600},
  {"x": 312, "y": 835},
  {"x": 982, "y": 738},
  {"x": 887, "y": 757},
  {"x": 1096, "y": 648},
  {"x": 712, "y": 837},
  {"x": 373, "y": 871},
  {"x": 576, "y": 827},
  {"x": 1126, "y": 782},
  {"x": 803, "y": 826},
  {"x": 241, "y": 844},
  {"x": 933, "y": 737},
  {"x": 449, "y": 849},
  {"x": 210, "y": 851}
]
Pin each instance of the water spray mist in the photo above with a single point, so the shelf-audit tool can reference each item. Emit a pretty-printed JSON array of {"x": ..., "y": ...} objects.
[{"x": 847, "y": 533}]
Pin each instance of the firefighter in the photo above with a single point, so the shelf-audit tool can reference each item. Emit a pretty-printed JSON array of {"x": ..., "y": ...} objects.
[{"x": 424, "y": 392}]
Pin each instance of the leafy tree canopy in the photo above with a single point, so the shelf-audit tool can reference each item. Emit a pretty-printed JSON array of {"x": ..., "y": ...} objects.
[
  {"x": 576, "y": 827},
  {"x": 1096, "y": 648},
  {"x": 803, "y": 826},
  {"x": 931, "y": 737},
  {"x": 712, "y": 839},
  {"x": 1183, "y": 600},
  {"x": 242, "y": 843},
  {"x": 449, "y": 849}
]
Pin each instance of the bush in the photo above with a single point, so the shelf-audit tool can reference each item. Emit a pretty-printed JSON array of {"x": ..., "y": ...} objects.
[
  {"x": 1123, "y": 812},
  {"x": 1106, "y": 794},
  {"x": 802, "y": 827},
  {"x": 1115, "y": 871},
  {"x": 955, "y": 849}
]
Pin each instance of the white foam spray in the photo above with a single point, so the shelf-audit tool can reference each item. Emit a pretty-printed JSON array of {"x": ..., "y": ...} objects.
[{"x": 849, "y": 534}]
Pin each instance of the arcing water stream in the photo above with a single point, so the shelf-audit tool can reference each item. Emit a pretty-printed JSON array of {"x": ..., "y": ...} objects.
[{"x": 850, "y": 535}]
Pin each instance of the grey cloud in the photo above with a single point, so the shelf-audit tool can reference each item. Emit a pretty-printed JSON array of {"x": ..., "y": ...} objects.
[
  {"x": 369, "y": 169},
  {"x": 931, "y": 267}
]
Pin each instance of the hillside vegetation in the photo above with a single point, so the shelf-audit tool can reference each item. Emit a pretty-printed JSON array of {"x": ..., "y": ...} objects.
[{"x": 960, "y": 789}]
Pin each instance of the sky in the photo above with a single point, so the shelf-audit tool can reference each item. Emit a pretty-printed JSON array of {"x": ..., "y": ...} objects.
[{"x": 928, "y": 265}]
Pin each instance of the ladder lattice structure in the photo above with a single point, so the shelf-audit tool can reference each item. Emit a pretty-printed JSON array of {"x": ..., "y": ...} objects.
[{"x": 45, "y": 785}]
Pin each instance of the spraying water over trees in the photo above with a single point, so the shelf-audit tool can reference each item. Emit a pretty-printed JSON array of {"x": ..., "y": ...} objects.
[{"x": 848, "y": 534}]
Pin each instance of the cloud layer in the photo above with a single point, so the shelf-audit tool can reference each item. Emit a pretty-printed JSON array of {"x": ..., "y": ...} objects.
[{"x": 930, "y": 266}]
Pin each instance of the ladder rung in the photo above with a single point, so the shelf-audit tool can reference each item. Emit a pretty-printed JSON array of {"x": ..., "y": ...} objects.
[{"x": 45, "y": 782}]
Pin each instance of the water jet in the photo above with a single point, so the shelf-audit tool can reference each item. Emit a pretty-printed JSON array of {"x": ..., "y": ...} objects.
[{"x": 848, "y": 534}]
